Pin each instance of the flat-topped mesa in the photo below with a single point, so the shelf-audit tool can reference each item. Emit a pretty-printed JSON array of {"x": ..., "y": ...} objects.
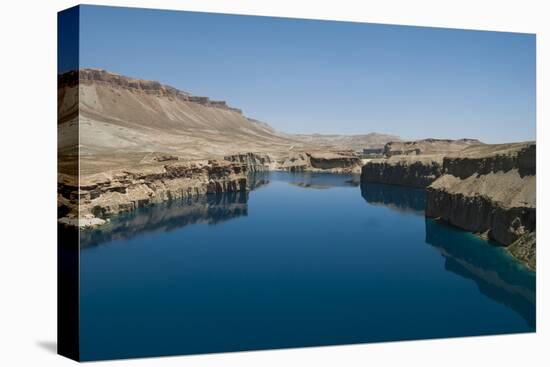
[
  {"x": 100, "y": 196},
  {"x": 427, "y": 146},
  {"x": 88, "y": 76},
  {"x": 334, "y": 160},
  {"x": 490, "y": 190}
]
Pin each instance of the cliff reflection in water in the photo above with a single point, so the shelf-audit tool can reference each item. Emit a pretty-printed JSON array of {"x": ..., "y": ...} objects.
[
  {"x": 205, "y": 209},
  {"x": 399, "y": 198},
  {"x": 317, "y": 180},
  {"x": 497, "y": 274}
]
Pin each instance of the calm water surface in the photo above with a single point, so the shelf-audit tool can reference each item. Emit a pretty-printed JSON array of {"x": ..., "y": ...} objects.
[{"x": 302, "y": 260}]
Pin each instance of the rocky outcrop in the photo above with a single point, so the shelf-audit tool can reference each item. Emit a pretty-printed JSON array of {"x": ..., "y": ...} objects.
[
  {"x": 482, "y": 188},
  {"x": 336, "y": 160},
  {"x": 97, "y": 197},
  {"x": 485, "y": 159},
  {"x": 490, "y": 191},
  {"x": 405, "y": 171},
  {"x": 253, "y": 162},
  {"x": 413, "y": 163},
  {"x": 326, "y": 161}
]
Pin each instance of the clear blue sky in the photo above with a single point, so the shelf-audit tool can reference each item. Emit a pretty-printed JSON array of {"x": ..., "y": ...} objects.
[{"x": 328, "y": 77}]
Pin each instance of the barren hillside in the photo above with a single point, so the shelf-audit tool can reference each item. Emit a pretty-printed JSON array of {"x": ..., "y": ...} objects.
[{"x": 125, "y": 121}]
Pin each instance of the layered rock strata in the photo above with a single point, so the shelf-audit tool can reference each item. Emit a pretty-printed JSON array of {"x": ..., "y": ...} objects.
[
  {"x": 97, "y": 197},
  {"x": 253, "y": 162},
  {"x": 98, "y": 76},
  {"x": 402, "y": 170},
  {"x": 333, "y": 162},
  {"x": 490, "y": 190},
  {"x": 482, "y": 188}
]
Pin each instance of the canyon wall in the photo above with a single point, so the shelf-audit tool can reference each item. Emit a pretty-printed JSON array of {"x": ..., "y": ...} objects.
[
  {"x": 406, "y": 171},
  {"x": 97, "y": 197},
  {"x": 487, "y": 189},
  {"x": 490, "y": 190},
  {"x": 253, "y": 162},
  {"x": 321, "y": 161}
]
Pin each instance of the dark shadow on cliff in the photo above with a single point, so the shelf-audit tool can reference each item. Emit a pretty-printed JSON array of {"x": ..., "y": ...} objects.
[
  {"x": 398, "y": 198},
  {"x": 497, "y": 275}
]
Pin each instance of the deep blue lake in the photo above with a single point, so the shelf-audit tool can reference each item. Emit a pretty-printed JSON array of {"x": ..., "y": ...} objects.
[{"x": 301, "y": 260}]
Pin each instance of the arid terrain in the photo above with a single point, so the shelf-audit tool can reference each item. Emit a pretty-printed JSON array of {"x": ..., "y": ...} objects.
[
  {"x": 125, "y": 143},
  {"x": 130, "y": 122},
  {"x": 488, "y": 189}
]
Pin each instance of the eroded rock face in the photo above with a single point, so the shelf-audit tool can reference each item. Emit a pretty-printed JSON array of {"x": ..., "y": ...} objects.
[
  {"x": 329, "y": 160},
  {"x": 485, "y": 159},
  {"x": 490, "y": 191},
  {"x": 413, "y": 163},
  {"x": 253, "y": 162},
  {"x": 481, "y": 211},
  {"x": 103, "y": 195},
  {"x": 482, "y": 188},
  {"x": 326, "y": 161},
  {"x": 405, "y": 171}
]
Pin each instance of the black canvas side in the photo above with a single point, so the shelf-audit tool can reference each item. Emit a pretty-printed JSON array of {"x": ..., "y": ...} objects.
[{"x": 68, "y": 333}]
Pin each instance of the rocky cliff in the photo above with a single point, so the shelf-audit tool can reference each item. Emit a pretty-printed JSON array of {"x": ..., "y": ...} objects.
[
  {"x": 490, "y": 190},
  {"x": 484, "y": 188},
  {"x": 102, "y": 195},
  {"x": 253, "y": 162},
  {"x": 413, "y": 163},
  {"x": 418, "y": 171},
  {"x": 321, "y": 161}
]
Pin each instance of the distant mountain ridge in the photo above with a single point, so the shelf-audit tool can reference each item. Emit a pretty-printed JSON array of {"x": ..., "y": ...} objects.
[{"x": 356, "y": 142}]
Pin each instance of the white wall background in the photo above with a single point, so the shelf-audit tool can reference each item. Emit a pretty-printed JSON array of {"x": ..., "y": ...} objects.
[{"x": 28, "y": 183}]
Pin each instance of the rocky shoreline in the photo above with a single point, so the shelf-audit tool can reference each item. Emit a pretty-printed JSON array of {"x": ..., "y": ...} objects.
[
  {"x": 485, "y": 189},
  {"x": 95, "y": 198}
]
